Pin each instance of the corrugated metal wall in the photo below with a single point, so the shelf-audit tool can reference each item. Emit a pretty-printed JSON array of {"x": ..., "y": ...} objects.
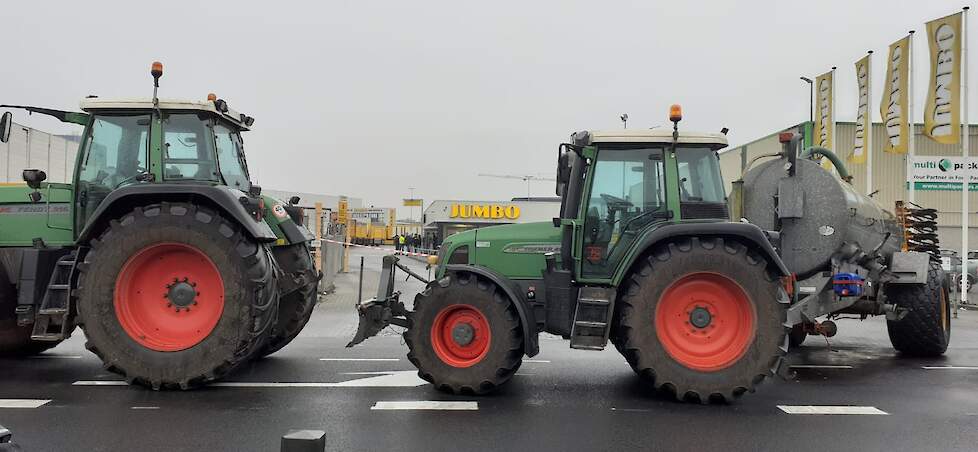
[
  {"x": 889, "y": 175},
  {"x": 32, "y": 148}
]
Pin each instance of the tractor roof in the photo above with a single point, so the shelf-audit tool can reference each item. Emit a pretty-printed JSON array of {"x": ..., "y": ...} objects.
[
  {"x": 94, "y": 104},
  {"x": 663, "y": 136}
]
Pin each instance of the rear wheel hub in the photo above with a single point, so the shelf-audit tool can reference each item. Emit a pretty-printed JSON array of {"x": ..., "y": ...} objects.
[
  {"x": 182, "y": 294},
  {"x": 460, "y": 335}
]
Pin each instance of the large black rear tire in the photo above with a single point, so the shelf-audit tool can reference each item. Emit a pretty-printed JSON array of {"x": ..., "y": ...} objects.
[
  {"x": 115, "y": 281},
  {"x": 295, "y": 308},
  {"x": 489, "y": 349},
  {"x": 702, "y": 319},
  {"x": 926, "y": 329},
  {"x": 15, "y": 340}
]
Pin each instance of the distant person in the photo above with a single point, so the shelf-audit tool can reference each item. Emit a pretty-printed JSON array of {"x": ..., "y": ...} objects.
[
  {"x": 401, "y": 242},
  {"x": 397, "y": 242}
]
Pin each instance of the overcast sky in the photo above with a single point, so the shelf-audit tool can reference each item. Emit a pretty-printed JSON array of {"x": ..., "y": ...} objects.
[{"x": 369, "y": 98}]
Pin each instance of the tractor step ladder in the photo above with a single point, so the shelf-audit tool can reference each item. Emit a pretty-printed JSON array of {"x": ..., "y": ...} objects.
[
  {"x": 51, "y": 323},
  {"x": 592, "y": 318}
]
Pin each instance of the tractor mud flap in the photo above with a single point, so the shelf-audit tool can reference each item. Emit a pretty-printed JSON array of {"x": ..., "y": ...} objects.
[{"x": 374, "y": 317}]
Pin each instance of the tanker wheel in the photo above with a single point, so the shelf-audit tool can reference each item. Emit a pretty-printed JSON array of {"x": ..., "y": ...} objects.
[
  {"x": 295, "y": 308},
  {"x": 174, "y": 295},
  {"x": 926, "y": 329},
  {"x": 15, "y": 341},
  {"x": 465, "y": 335},
  {"x": 703, "y": 319}
]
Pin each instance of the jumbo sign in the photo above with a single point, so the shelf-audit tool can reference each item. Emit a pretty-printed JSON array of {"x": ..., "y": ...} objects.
[{"x": 486, "y": 211}]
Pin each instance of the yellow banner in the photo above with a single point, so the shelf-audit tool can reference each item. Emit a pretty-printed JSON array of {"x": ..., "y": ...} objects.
[
  {"x": 942, "y": 112},
  {"x": 412, "y": 202},
  {"x": 864, "y": 126},
  {"x": 893, "y": 105},
  {"x": 824, "y": 116}
]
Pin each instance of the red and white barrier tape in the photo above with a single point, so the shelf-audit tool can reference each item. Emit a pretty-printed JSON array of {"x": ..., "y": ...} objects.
[{"x": 402, "y": 253}]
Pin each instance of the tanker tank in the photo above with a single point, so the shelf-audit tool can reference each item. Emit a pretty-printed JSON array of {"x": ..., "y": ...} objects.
[{"x": 819, "y": 216}]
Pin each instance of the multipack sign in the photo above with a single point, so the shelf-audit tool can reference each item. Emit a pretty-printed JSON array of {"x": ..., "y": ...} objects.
[{"x": 943, "y": 173}]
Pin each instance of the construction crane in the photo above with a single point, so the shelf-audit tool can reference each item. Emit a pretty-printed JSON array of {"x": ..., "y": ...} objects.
[{"x": 525, "y": 178}]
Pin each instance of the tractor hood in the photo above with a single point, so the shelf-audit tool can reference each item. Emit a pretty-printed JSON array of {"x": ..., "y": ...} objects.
[{"x": 514, "y": 250}]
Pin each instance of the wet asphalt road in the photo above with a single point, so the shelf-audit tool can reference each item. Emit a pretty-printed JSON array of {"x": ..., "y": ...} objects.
[{"x": 560, "y": 400}]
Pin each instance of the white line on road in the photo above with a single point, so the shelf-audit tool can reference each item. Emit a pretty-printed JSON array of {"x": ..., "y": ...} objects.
[
  {"x": 950, "y": 367},
  {"x": 819, "y": 366},
  {"x": 22, "y": 403},
  {"x": 536, "y": 361},
  {"x": 426, "y": 405},
  {"x": 56, "y": 357},
  {"x": 145, "y": 408},
  {"x": 389, "y": 379},
  {"x": 359, "y": 359},
  {"x": 830, "y": 409}
]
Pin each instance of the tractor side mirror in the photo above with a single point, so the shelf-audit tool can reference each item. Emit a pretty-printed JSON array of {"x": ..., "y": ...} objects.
[
  {"x": 293, "y": 200},
  {"x": 6, "y": 122},
  {"x": 563, "y": 172},
  {"x": 34, "y": 177}
]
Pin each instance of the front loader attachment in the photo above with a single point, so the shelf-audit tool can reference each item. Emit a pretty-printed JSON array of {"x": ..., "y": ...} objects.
[{"x": 386, "y": 308}]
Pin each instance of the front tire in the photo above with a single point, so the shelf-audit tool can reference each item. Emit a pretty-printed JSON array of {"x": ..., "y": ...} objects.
[
  {"x": 465, "y": 335},
  {"x": 174, "y": 295},
  {"x": 702, "y": 319},
  {"x": 926, "y": 329},
  {"x": 295, "y": 308}
]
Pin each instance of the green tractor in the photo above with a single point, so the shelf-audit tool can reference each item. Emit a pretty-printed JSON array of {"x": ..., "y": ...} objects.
[
  {"x": 173, "y": 263},
  {"x": 644, "y": 253}
]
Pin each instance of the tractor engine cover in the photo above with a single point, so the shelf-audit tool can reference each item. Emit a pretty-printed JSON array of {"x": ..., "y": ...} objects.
[{"x": 816, "y": 213}]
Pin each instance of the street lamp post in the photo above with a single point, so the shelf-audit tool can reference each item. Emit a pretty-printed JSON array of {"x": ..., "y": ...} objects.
[{"x": 811, "y": 98}]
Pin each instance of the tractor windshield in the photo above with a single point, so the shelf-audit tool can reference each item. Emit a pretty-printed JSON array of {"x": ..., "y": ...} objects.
[{"x": 230, "y": 157}]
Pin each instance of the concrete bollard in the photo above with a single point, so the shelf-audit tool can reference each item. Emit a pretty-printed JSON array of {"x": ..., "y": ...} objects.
[{"x": 304, "y": 441}]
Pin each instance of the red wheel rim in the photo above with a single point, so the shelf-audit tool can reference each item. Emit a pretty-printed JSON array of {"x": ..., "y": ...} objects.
[
  {"x": 169, "y": 297},
  {"x": 460, "y": 335},
  {"x": 705, "y": 321}
]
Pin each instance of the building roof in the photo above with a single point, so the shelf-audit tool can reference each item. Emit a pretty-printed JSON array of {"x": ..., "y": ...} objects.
[
  {"x": 94, "y": 104},
  {"x": 657, "y": 135}
]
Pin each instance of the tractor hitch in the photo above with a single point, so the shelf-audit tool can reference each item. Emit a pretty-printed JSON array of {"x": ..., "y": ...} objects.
[{"x": 386, "y": 308}]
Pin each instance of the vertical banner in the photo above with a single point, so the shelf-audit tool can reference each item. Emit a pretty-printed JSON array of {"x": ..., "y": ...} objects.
[
  {"x": 893, "y": 105},
  {"x": 942, "y": 112},
  {"x": 864, "y": 125},
  {"x": 824, "y": 116}
]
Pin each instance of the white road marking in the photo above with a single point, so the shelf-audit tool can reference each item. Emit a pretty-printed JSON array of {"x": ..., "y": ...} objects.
[
  {"x": 145, "y": 408},
  {"x": 537, "y": 361},
  {"x": 819, "y": 366},
  {"x": 950, "y": 367},
  {"x": 56, "y": 357},
  {"x": 426, "y": 405},
  {"x": 830, "y": 409},
  {"x": 631, "y": 410},
  {"x": 389, "y": 379},
  {"x": 22, "y": 403},
  {"x": 359, "y": 359}
]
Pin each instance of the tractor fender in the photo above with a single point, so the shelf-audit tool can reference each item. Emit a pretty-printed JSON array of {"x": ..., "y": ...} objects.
[
  {"x": 746, "y": 232},
  {"x": 531, "y": 344},
  {"x": 223, "y": 199}
]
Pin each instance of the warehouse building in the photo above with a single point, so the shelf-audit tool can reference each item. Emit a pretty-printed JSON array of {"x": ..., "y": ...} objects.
[
  {"x": 889, "y": 174},
  {"x": 32, "y": 148}
]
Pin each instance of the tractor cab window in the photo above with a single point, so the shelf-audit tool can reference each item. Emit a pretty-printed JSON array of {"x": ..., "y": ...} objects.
[
  {"x": 230, "y": 158},
  {"x": 113, "y": 155},
  {"x": 188, "y": 150},
  {"x": 626, "y": 193},
  {"x": 699, "y": 176}
]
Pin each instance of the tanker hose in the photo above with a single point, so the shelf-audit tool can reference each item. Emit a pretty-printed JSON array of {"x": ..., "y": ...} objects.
[{"x": 836, "y": 161}]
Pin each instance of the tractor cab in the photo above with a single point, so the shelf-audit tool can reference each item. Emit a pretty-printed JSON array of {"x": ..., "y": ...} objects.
[
  {"x": 616, "y": 185},
  {"x": 129, "y": 142}
]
